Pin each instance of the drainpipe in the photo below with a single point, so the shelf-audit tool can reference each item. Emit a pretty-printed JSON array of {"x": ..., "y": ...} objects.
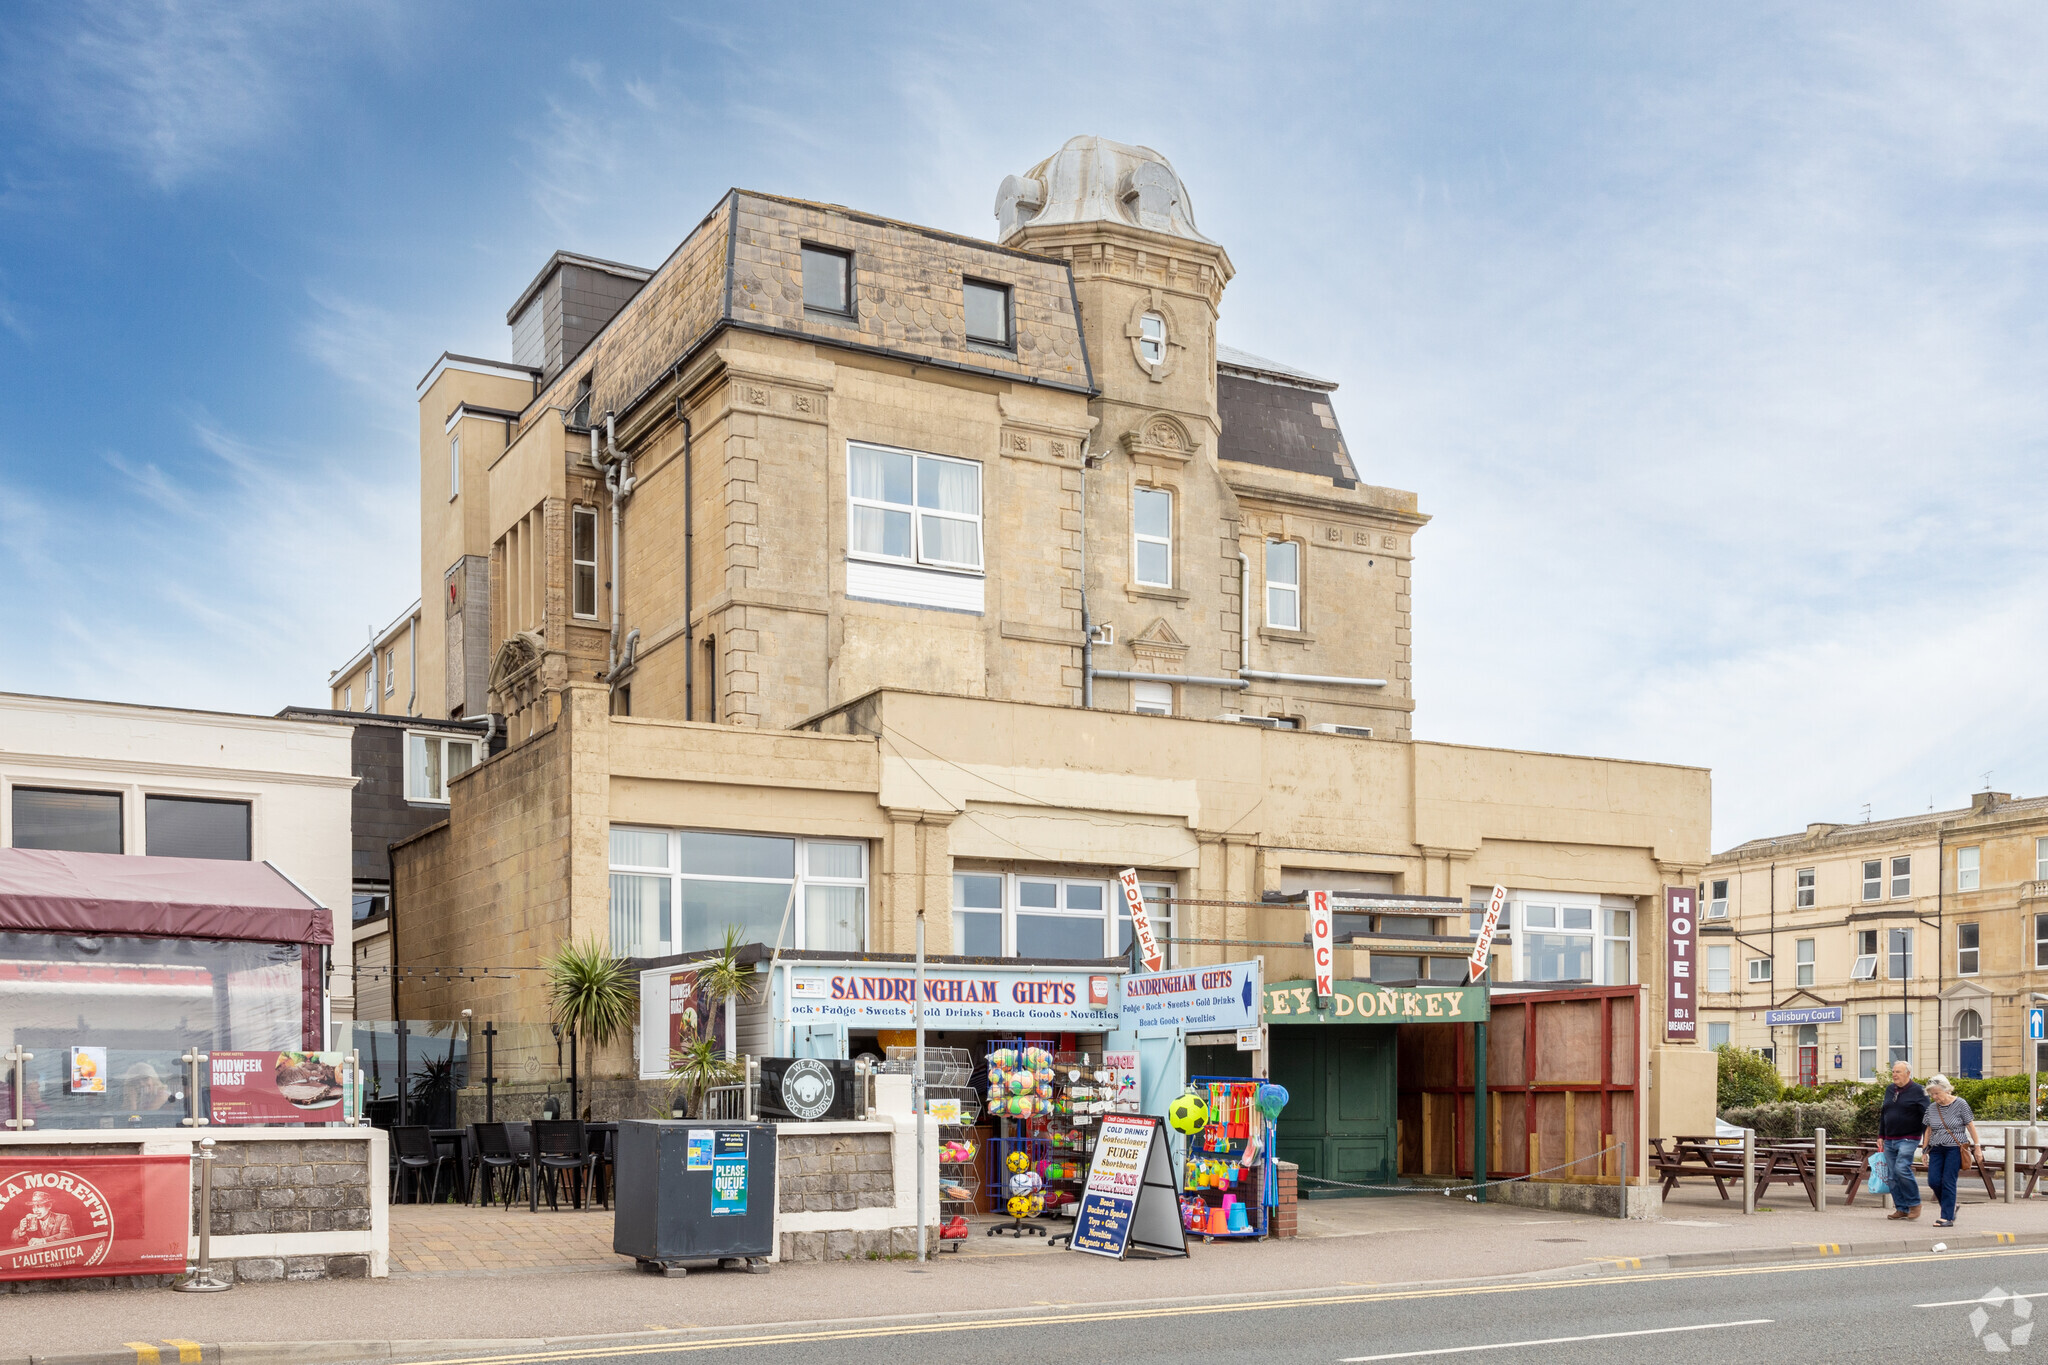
[
  {"x": 689, "y": 566},
  {"x": 412, "y": 667},
  {"x": 1244, "y": 611},
  {"x": 1310, "y": 678},
  {"x": 617, "y": 469},
  {"x": 1087, "y": 625}
]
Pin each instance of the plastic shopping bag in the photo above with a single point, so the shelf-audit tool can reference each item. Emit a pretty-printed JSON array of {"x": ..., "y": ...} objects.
[{"x": 1877, "y": 1183}]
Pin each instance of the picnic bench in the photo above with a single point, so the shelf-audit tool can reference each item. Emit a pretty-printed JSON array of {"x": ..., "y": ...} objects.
[{"x": 1720, "y": 1160}]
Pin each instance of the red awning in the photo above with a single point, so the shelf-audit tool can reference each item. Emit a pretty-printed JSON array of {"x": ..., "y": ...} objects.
[{"x": 44, "y": 892}]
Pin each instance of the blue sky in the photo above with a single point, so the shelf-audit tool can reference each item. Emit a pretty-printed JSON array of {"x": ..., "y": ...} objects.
[{"x": 1712, "y": 337}]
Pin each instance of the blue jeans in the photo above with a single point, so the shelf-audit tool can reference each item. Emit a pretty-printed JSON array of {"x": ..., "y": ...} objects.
[
  {"x": 1944, "y": 1165},
  {"x": 1898, "y": 1157}
]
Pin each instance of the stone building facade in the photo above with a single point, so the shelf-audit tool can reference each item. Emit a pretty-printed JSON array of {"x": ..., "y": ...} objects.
[
  {"x": 856, "y": 571},
  {"x": 1920, "y": 938}
]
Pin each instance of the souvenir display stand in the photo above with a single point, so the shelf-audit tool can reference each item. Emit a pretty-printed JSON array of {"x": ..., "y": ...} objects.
[
  {"x": 1223, "y": 1180},
  {"x": 1020, "y": 1098},
  {"x": 957, "y": 1106}
]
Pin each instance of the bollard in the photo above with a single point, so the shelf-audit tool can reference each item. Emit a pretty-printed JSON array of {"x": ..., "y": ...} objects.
[
  {"x": 202, "y": 1280},
  {"x": 1749, "y": 1170},
  {"x": 1623, "y": 1180},
  {"x": 2010, "y": 1163},
  {"x": 1820, "y": 1170}
]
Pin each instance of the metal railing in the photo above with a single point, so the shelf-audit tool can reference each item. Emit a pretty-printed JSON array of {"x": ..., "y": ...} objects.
[{"x": 739, "y": 1103}]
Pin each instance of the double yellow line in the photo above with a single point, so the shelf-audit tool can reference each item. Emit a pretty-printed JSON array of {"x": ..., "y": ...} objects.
[{"x": 1136, "y": 1314}]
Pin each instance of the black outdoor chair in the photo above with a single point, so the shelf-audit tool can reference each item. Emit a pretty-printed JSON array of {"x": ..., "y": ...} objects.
[
  {"x": 492, "y": 1153},
  {"x": 561, "y": 1148},
  {"x": 414, "y": 1153},
  {"x": 604, "y": 1152}
]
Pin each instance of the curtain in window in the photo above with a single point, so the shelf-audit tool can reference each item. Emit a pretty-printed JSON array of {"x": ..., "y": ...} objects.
[
  {"x": 640, "y": 915},
  {"x": 835, "y": 918},
  {"x": 949, "y": 486},
  {"x": 878, "y": 475},
  {"x": 878, "y": 531}
]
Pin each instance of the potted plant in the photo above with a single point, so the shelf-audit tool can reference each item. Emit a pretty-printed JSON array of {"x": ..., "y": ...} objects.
[{"x": 698, "y": 1063}]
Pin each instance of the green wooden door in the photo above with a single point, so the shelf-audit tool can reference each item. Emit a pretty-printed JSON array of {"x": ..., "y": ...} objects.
[{"x": 1339, "y": 1120}]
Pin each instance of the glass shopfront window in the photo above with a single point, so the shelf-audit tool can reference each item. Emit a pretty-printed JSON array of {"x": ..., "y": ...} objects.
[{"x": 108, "y": 1018}]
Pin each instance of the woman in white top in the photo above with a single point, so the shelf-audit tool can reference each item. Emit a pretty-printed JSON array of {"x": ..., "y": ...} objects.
[{"x": 1951, "y": 1130}]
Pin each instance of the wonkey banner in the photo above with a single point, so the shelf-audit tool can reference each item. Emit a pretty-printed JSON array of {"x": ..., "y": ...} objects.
[{"x": 93, "y": 1215}]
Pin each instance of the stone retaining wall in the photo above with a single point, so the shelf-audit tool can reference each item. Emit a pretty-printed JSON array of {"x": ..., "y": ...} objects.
[
  {"x": 289, "y": 1201},
  {"x": 834, "y": 1171}
]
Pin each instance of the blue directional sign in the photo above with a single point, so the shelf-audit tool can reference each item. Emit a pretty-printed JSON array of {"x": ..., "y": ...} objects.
[{"x": 2037, "y": 1023}]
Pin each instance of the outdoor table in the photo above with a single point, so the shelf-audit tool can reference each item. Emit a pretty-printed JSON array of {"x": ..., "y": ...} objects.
[
  {"x": 457, "y": 1140},
  {"x": 1697, "y": 1156}
]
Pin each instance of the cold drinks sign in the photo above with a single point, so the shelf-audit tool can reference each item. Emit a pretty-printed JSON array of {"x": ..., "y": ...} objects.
[{"x": 1681, "y": 985}]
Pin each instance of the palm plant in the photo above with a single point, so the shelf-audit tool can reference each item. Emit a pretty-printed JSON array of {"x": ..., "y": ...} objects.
[{"x": 591, "y": 993}]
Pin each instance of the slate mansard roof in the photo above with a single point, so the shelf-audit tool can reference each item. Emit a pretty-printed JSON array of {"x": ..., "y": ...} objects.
[{"x": 1280, "y": 417}]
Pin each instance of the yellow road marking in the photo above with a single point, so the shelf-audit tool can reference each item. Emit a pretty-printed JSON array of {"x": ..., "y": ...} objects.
[
  {"x": 188, "y": 1351},
  {"x": 2006, "y": 1237},
  {"x": 1828, "y": 1248},
  {"x": 145, "y": 1353},
  {"x": 789, "y": 1338}
]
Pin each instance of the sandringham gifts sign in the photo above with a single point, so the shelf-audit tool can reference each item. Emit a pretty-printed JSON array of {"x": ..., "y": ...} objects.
[{"x": 1681, "y": 980}]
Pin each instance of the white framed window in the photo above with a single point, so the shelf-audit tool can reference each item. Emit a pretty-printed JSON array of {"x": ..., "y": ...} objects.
[
  {"x": 370, "y": 685},
  {"x": 583, "y": 562},
  {"x": 1152, "y": 698},
  {"x": 1865, "y": 966},
  {"x": 1769, "y": 1054},
  {"x": 1717, "y": 900},
  {"x": 1718, "y": 972},
  {"x": 678, "y": 891},
  {"x": 1866, "y": 1047},
  {"x": 454, "y": 467},
  {"x": 1283, "y": 584},
  {"x": 1873, "y": 879},
  {"x": 1023, "y": 914},
  {"x": 1760, "y": 969},
  {"x": 1159, "y": 904},
  {"x": 1152, "y": 537},
  {"x": 2041, "y": 859},
  {"x": 1059, "y": 917},
  {"x": 913, "y": 508},
  {"x": 432, "y": 761},
  {"x": 1558, "y": 942},
  {"x": 2041, "y": 940},
  {"x": 1805, "y": 888},
  {"x": 1968, "y": 862},
  {"x": 348, "y": 697},
  {"x": 1899, "y": 1031},
  {"x": 1899, "y": 948},
  {"x": 1619, "y": 942},
  {"x": 1966, "y": 950},
  {"x": 1902, "y": 878},
  {"x": 1717, "y": 1035},
  {"x": 1802, "y": 962},
  {"x": 1152, "y": 338},
  {"x": 988, "y": 312},
  {"x": 390, "y": 669},
  {"x": 978, "y": 914}
]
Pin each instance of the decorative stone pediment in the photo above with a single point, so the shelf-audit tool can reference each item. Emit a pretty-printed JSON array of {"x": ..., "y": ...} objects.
[
  {"x": 1162, "y": 437},
  {"x": 518, "y": 658},
  {"x": 1158, "y": 645}
]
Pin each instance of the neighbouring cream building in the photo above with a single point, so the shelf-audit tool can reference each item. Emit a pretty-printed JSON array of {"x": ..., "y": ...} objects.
[
  {"x": 839, "y": 571},
  {"x": 107, "y": 778},
  {"x": 1919, "y": 939}
]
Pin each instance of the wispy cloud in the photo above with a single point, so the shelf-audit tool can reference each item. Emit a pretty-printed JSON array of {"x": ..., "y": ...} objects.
[{"x": 174, "y": 87}]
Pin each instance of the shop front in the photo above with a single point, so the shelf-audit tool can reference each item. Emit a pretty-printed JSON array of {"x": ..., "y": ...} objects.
[{"x": 1337, "y": 1057}]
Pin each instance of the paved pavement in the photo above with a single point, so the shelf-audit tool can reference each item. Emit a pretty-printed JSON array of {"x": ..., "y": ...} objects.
[{"x": 477, "y": 1275}]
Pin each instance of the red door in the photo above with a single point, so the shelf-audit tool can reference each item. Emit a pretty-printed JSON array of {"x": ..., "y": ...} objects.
[{"x": 1809, "y": 1064}]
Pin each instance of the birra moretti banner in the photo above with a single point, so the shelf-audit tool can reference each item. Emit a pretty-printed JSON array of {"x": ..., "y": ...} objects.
[
  {"x": 1681, "y": 982},
  {"x": 1319, "y": 942},
  {"x": 93, "y": 1215}
]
